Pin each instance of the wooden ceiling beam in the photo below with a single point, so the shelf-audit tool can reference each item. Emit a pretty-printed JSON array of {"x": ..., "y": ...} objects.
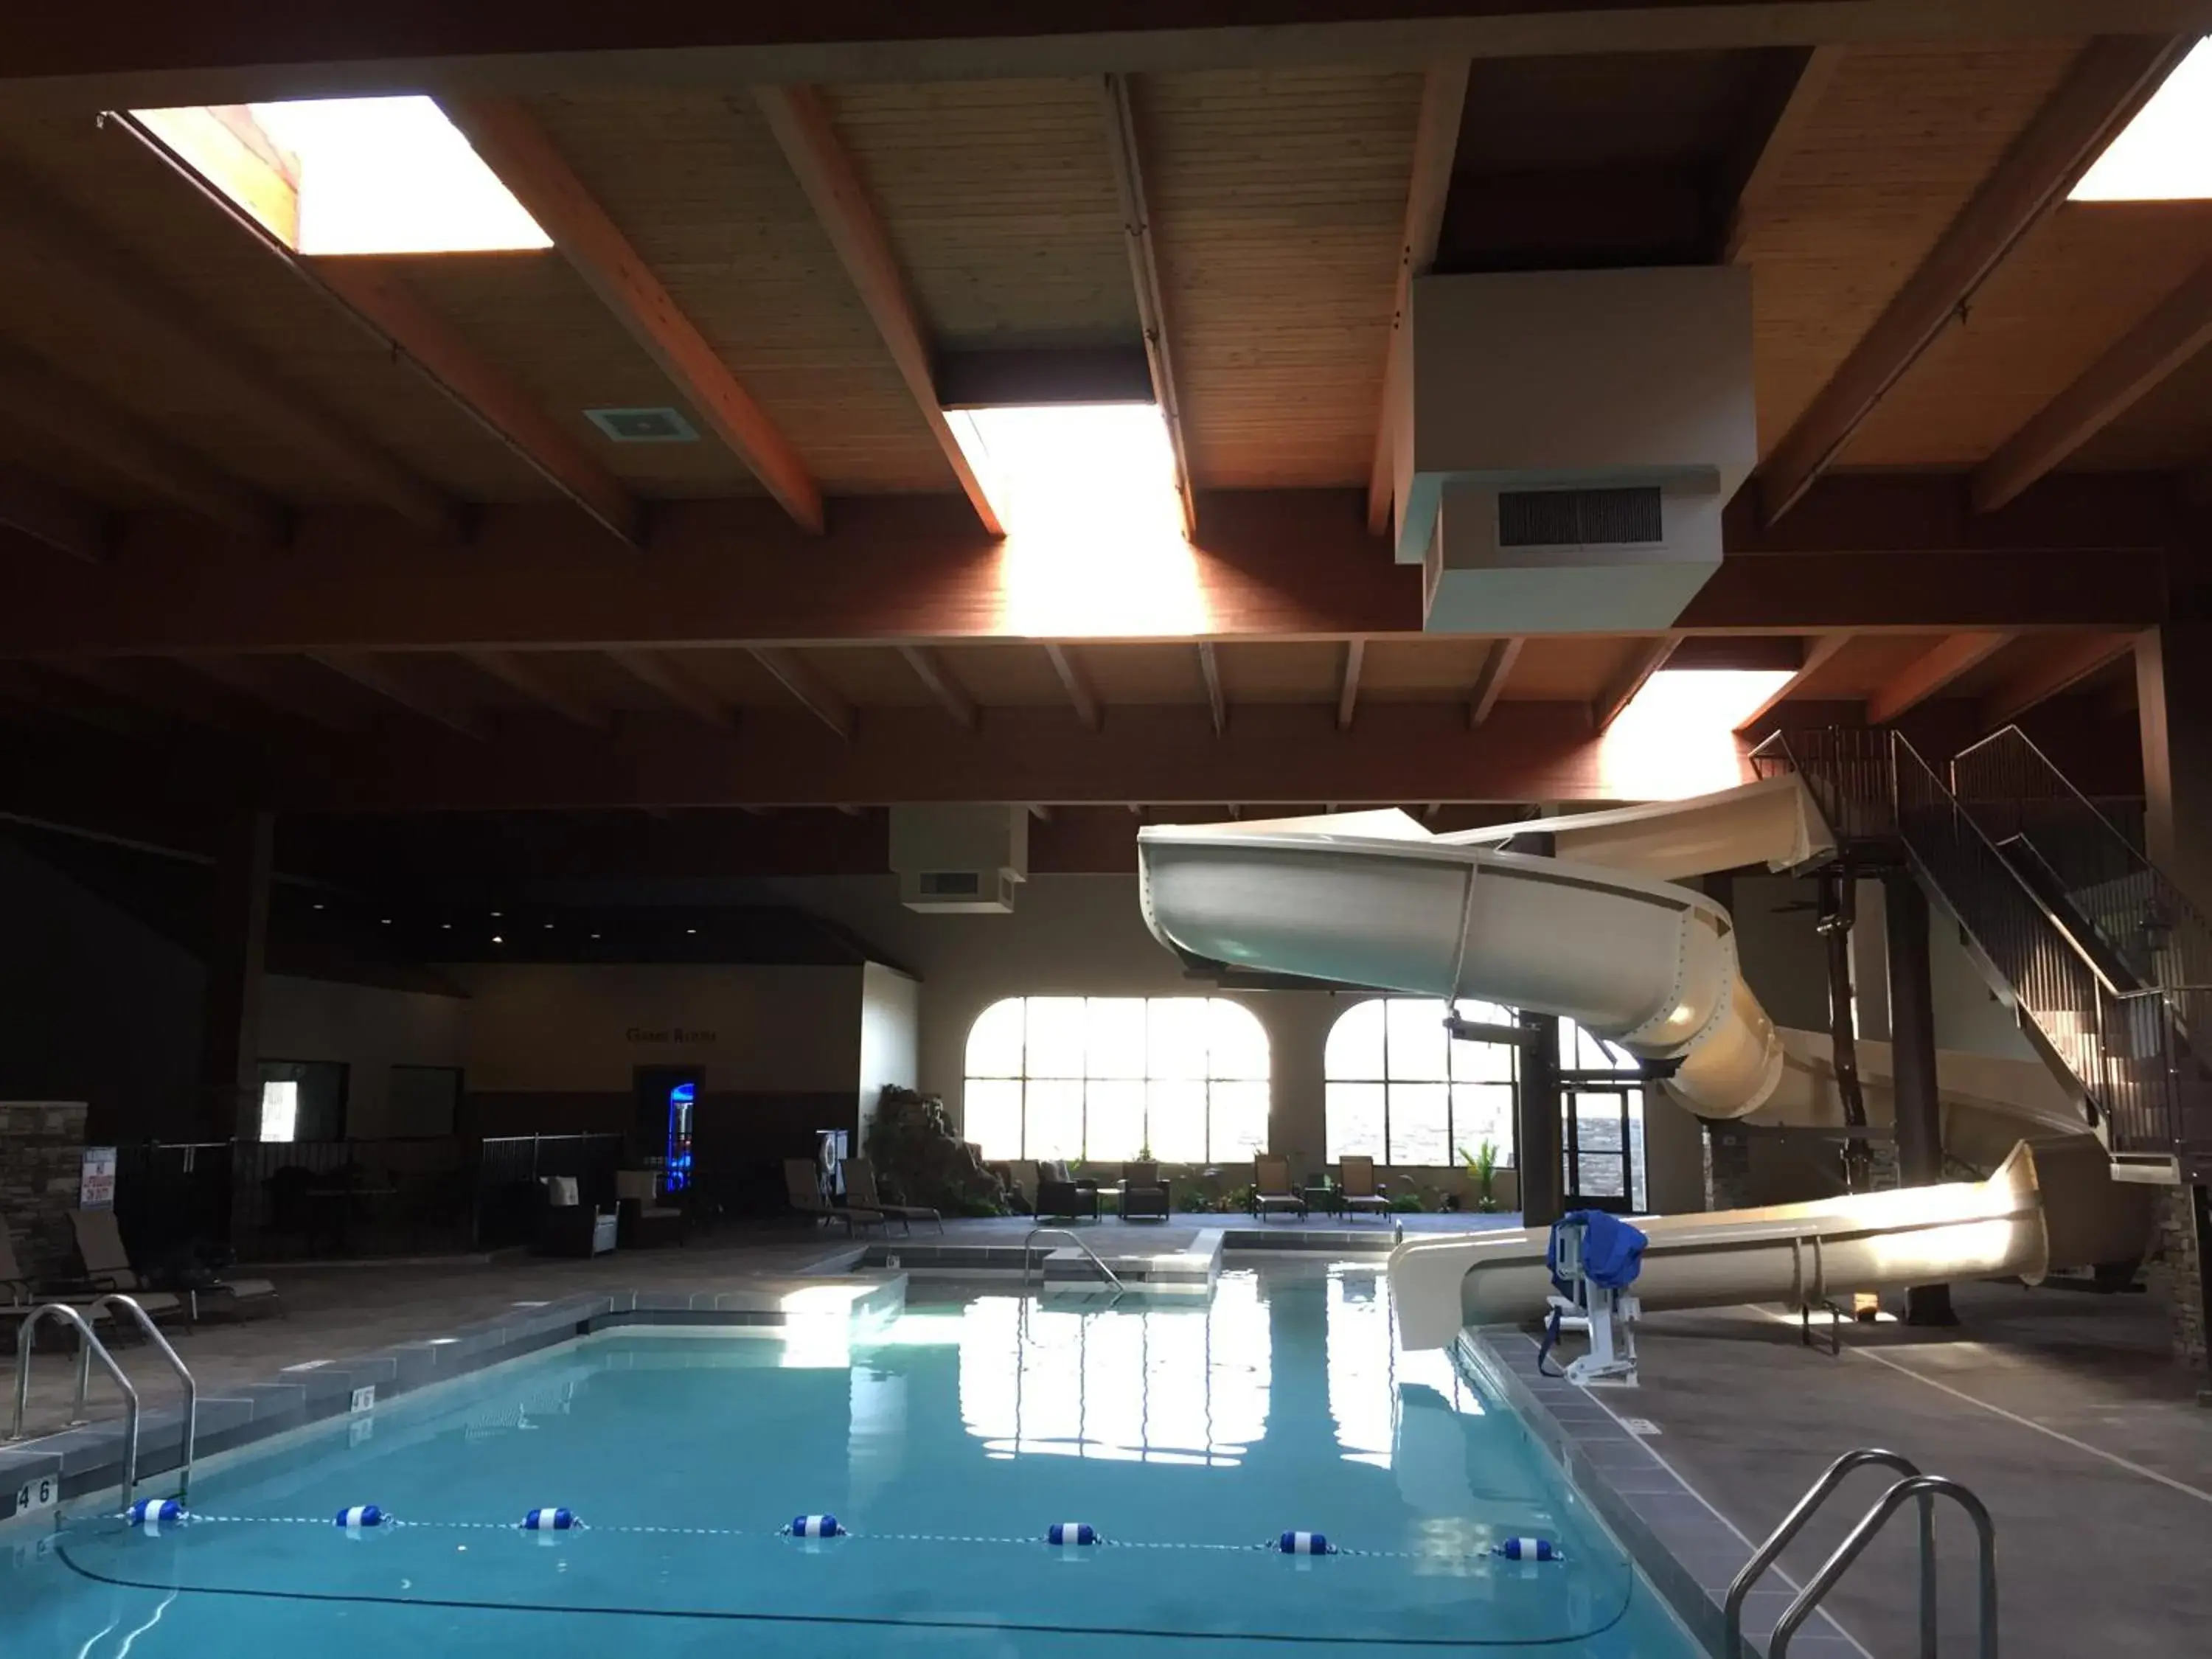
[
  {"x": 257, "y": 679},
  {"x": 2110, "y": 80},
  {"x": 801, "y": 123},
  {"x": 1347, "y": 684},
  {"x": 2064, "y": 663},
  {"x": 665, "y": 675},
  {"x": 515, "y": 670},
  {"x": 1620, "y": 690},
  {"x": 1866, "y": 554},
  {"x": 936, "y": 677},
  {"x": 76, "y": 415},
  {"x": 392, "y": 684},
  {"x": 1217, "y": 700},
  {"x": 1930, "y": 673},
  {"x": 1077, "y": 685},
  {"x": 1436, "y": 143},
  {"x": 85, "y": 274},
  {"x": 1818, "y": 652},
  {"x": 1490, "y": 680},
  {"x": 1786, "y": 108},
  {"x": 371, "y": 297},
  {"x": 522, "y": 154},
  {"x": 2175, "y": 332},
  {"x": 798, "y": 676},
  {"x": 1125, "y": 151},
  {"x": 55, "y": 518}
]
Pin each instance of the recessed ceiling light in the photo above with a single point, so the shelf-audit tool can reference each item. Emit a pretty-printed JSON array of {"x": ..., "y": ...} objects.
[
  {"x": 387, "y": 921},
  {"x": 1056, "y": 466},
  {"x": 447, "y": 925},
  {"x": 496, "y": 939},
  {"x": 2164, "y": 155},
  {"x": 691, "y": 930},
  {"x": 643, "y": 426},
  {"x": 351, "y": 175}
]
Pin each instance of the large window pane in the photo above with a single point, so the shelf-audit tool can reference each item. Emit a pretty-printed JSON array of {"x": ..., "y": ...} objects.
[
  {"x": 1420, "y": 1125},
  {"x": 1239, "y": 1119},
  {"x": 1176, "y": 1034},
  {"x": 1480, "y": 1109},
  {"x": 995, "y": 1041},
  {"x": 1114, "y": 1120},
  {"x": 1352, "y": 1114},
  {"x": 1418, "y": 1043},
  {"x": 1354, "y": 1053},
  {"x": 1057, "y": 1036},
  {"x": 1052, "y": 1113},
  {"x": 1175, "y": 1119},
  {"x": 1114, "y": 1037},
  {"x": 1237, "y": 1041},
  {"x": 993, "y": 1111}
]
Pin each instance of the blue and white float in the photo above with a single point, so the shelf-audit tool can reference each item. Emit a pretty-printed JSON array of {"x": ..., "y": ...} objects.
[
  {"x": 1070, "y": 1532},
  {"x": 154, "y": 1513},
  {"x": 1305, "y": 1543},
  {"x": 549, "y": 1519},
  {"x": 1527, "y": 1549},
  {"x": 815, "y": 1525},
  {"x": 359, "y": 1515}
]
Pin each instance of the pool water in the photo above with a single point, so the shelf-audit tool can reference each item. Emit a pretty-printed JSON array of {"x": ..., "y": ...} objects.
[{"x": 947, "y": 1440}]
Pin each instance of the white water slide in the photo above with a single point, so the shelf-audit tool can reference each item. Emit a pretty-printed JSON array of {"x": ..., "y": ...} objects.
[{"x": 1600, "y": 932}]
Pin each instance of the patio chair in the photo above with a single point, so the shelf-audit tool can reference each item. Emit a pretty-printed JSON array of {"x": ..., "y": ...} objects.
[
  {"x": 644, "y": 1219},
  {"x": 107, "y": 1266},
  {"x": 1361, "y": 1190},
  {"x": 802, "y": 1187},
  {"x": 1271, "y": 1188},
  {"x": 861, "y": 1189},
  {"x": 1144, "y": 1194},
  {"x": 19, "y": 1294},
  {"x": 1060, "y": 1196}
]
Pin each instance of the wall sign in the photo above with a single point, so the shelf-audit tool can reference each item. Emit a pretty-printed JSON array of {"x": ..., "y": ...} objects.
[
  {"x": 670, "y": 1033},
  {"x": 95, "y": 1186}
]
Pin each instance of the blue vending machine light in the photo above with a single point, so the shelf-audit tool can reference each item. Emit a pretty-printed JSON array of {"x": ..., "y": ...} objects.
[{"x": 681, "y": 1099}]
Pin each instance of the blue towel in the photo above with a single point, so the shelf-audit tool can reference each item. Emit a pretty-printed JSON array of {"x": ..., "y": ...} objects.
[{"x": 1612, "y": 1251}]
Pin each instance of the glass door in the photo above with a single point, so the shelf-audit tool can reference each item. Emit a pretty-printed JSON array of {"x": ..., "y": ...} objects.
[{"x": 1600, "y": 1165}]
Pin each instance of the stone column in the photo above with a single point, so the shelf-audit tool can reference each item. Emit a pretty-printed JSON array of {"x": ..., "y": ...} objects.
[
  {"x": 2187, "y": 1219},
  {"x": 1727, "y": 1165},
  {"x": 41, "y": 1158},
  {"x": 238, "y": 932}
]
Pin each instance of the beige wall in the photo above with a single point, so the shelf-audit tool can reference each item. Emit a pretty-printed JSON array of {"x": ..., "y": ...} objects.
[
  {"x": 547, "y": 1028},
  {"x": 370, "y": 1030},
  {"x": 891, "y": 1011}
]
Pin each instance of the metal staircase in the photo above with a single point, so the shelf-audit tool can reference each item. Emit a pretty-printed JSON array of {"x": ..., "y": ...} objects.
[{"x": 2105, "y": 963}]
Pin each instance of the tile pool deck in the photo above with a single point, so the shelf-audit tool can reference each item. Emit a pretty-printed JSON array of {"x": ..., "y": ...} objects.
[{"x": 2059, "y": 1408}]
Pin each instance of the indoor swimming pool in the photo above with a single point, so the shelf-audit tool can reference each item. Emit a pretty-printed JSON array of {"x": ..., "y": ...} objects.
[{"x": 947, "y": 1441}]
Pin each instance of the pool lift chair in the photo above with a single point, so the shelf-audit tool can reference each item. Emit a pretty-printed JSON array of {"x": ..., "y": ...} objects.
[{"x": 1594, "y": 1259}]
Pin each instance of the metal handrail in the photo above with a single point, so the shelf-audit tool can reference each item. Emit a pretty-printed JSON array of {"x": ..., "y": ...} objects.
[
  {"x": 1926, "y": 1488},
  {"x": 92, "y": 1346},
  {"x": 2014, "y": 734},
  {"x": 1818, "y": 1493},
  {"x": 1035, "y": 1233},
  {"x": 153, "y": 1335}
]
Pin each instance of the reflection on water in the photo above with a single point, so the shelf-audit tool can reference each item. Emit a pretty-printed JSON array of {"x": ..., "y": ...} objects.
[
  {"x": 1153, "y": 1385},
  {"x": 1368, "y": 1376}
]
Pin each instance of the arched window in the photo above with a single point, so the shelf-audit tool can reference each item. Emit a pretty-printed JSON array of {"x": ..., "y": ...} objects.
[
  {"x": 1106, "y": 1077},
  {"x": 1400, "y": 1090}
]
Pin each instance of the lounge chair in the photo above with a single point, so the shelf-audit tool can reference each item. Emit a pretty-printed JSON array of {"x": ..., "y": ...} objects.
[
  {"x": 107, "y": 1266},
  {"x": 646, "y": 1220},
  {"x": 1361, "y": 1190},
  {"x": 802, "y": 1186},
  {"x": 18, "y": 1294},
  {"x": 1060, "y": 1196},
  {"x": 861, "y": 1189},
  {"x": 1272, "y": 1189},
  {"x": 1144, "y": 1194}
]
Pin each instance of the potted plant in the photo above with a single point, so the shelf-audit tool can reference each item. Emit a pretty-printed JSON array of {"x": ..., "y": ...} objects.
[{"x": 1482, "y": 1170}]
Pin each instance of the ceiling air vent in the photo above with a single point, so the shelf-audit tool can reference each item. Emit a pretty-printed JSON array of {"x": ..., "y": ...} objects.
[
  {"x": 950, "y": 884},
  {"x": 1579, "y": 518},
  {"x": 643, "y": 426}
]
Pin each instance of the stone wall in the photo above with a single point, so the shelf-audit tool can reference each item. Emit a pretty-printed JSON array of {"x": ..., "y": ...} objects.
[
  {"x": 1727, "y": 1166},
  {"x": 2181, "y": 1221},
  {"x": 41, "y": 1159}
]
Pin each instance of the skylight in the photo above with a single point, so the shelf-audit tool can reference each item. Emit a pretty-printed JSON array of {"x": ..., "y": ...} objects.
[
  {"x": 1677, "y": 736},
  {"x": 2164, "y": 155},
  {"x": 351, "y": 175},
  {"x": 1094, "y": 541}
]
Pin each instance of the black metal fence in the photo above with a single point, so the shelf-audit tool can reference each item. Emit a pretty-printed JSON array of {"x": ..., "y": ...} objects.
[{"x": 300, "y": 1201}]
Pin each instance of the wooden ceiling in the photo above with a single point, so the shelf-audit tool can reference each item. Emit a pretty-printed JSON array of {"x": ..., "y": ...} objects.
[{"x": 253, "y": 505}]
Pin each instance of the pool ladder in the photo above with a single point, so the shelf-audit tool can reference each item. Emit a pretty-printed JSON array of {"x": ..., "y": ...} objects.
[
  {"x": 90, "y": 1347},
  {"x": 1096, "y": 1261},
  {"x": 1924, "y": 1489}
]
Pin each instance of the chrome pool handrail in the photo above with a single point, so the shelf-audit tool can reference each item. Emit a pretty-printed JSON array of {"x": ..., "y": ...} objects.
[
  {"x": 1096, "y": 1259},
  {"x": 1739, "y": 1587},
  {"x": 191, "y": 1388},
  {"x": 94, "y": 1348},
  {"x": 1926, "y": 1488}
]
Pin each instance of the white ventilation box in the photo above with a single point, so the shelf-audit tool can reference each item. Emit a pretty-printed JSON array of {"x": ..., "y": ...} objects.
[
  {"x": 962, "y": 859},
  {"x": 1565, "y": 442}
]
